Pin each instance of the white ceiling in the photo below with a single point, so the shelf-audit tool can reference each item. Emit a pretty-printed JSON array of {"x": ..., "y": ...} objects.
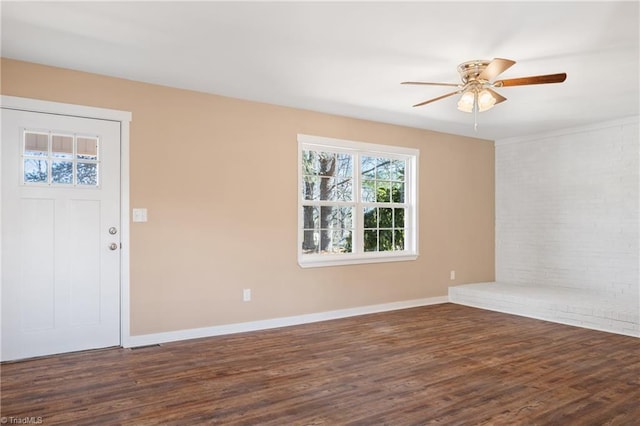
[{"x": 349, "y": 58}]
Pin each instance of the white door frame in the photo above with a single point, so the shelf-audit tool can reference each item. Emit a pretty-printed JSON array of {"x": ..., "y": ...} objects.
[{"x": 124, "y": 118}]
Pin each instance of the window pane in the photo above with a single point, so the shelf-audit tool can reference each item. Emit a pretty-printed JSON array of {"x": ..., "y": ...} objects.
[
  {"x": 399, "y": 239},
  {"x": 369, "y": 191},
  {"x": 310, "y": 232},
  {"x": 397, "y": 170},
  {"x": 397, "y": 192},
  {"x": 329, "y": 217},
  {"x": 398, "y": 218},
  {"x": 326, "y": 164},
  {"x": 36, "y": 144},
  {"x": 310, "y": 188},
  {"x": 383, "y": 192},
  {"x": 346, "y": 243},
  {"x": 36, "y": 170},
  {"x": 344, "y": 166},
  {"x": 335, "y": 217},
  {"x": 325, "y": 240},
  {"x": 87, "y": 148},
  {"x": 327, "y": 189},
  {"x": 386, "y": 217},
  {"x": 344, "y": 189},
  {"x": 340, "y": 241},
  {"x": 335, "y": 241},
  {"x": 385, "y": 242},
  {"x": 370, "y": 240},
  {"x": 370, "y": 217},
  {"x": 309, "y": 162},
  {"x": 368, "y": 167},
  {"x": 87, "y": 174},
  {"x": 383, "y": 171},
  {"x": 62, "y": 146},
  {"x": 62, "y": 172},
  {"x": 310, "y": 217},
  {"x": 308, "y": 244}
]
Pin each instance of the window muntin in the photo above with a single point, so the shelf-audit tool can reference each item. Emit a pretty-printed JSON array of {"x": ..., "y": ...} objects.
[
  {"x": 357, "y": 202},
  {"x": 60, "y": 159}
]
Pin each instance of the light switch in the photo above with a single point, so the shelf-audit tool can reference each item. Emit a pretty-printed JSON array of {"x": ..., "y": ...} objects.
[{"x": 139, "y": 215}]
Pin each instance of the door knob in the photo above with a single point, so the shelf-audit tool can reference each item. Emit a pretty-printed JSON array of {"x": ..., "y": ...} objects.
[
  {"x": 113, "y": 230},
  {"x": 113, "y": 246}
]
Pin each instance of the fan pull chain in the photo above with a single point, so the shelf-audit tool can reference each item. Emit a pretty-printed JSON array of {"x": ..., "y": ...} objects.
[{"x": 475, "y": 112}]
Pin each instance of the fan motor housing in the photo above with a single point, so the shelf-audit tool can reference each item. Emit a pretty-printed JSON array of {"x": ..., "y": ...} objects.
[{"x": 470, "y": 70}]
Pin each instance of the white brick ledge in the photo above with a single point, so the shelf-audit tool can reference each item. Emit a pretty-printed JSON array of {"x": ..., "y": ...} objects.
[{"x": 568, "y": 306}]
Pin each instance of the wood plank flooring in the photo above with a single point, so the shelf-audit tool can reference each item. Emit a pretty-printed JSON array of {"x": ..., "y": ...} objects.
[{"x": 443, "y": 364}]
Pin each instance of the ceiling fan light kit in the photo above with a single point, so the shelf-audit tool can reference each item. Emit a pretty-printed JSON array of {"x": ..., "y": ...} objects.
[
  {"x": 478, "y": 80},
  {"x": 482, "y": 100}
]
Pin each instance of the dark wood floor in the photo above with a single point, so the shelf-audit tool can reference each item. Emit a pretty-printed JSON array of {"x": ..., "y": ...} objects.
[{"x": 444, "y": 364}]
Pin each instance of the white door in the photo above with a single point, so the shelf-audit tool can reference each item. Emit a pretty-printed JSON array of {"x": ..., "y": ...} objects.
[{"x": 60, "y": 234}]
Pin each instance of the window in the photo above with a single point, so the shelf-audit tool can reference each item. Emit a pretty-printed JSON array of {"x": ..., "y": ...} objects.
[
  {"x": 357, "y": 202},
  {"x": 59, "y": 159}
]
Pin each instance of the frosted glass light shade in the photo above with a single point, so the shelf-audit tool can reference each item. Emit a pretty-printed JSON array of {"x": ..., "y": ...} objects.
[
  {"x": 485, "y": 100},
  {"x": 466, "y": 101}
]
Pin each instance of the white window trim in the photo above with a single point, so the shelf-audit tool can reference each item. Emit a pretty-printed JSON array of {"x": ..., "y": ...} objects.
[{"x": 411, "y": 199}]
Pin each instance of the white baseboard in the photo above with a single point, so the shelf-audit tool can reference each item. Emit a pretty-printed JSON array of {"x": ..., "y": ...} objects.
[{"x": 196, "y": 333}]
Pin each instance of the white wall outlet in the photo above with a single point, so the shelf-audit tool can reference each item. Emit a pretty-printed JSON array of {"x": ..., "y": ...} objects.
[
  {"x": 246, "y": 295},
  {"x": 452, "y": 275},
  {"x": 139, "y": 215}
]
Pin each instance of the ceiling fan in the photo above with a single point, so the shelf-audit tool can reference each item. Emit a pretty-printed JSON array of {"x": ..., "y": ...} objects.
[{"x": 478, "y": 81}]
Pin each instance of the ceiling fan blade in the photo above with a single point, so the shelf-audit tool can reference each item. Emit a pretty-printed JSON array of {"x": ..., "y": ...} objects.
[
  {"x": 497, "y": 96},
  {"x": 536, "y": 79},
  {"x": 495, "y": 68},
  {"x": 437, "y": 99},
  {"x": 430, "y": 84}
]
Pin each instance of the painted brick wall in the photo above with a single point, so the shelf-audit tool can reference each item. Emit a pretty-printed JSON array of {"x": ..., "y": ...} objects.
[{"x": 567, "y": 210}]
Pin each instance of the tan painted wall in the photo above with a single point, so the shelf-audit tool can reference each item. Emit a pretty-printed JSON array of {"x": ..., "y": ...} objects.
[{"x": 218, "y": 177}]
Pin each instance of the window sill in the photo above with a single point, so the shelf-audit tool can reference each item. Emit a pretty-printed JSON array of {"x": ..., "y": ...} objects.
[{"x": 317, "y": 261}]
